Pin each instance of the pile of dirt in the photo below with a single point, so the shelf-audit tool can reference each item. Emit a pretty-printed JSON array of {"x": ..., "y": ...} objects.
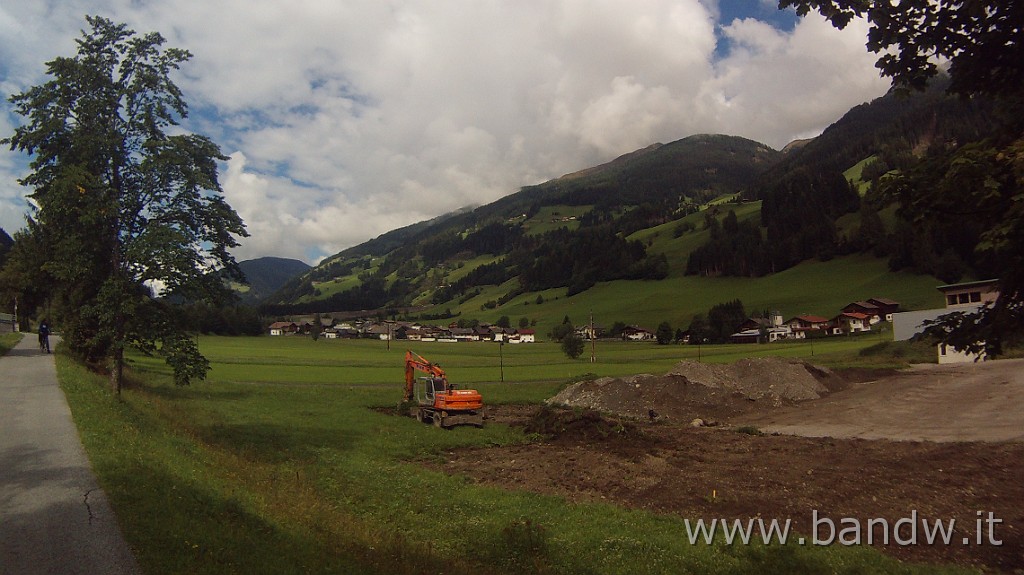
[
  {"x": 702, "y": 390},
  {"x": 577, "y": 425}
]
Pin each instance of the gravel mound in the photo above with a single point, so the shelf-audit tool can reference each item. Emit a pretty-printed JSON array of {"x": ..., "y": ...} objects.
[{"x": 694, "y": 389}]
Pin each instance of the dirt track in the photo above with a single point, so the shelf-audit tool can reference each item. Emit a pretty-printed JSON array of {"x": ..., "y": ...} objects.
[
  {"x": 968, "y": 414},
  {"x": 965, "y": 402}
]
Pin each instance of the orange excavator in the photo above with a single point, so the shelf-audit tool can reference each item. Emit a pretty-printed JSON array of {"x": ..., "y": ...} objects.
[{"x": 439, "y": 402}]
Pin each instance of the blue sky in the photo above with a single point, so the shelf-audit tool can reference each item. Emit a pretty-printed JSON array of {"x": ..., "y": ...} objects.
[
  {"x": 767, "y": 12},
  {"x": 346, "y": 119}
]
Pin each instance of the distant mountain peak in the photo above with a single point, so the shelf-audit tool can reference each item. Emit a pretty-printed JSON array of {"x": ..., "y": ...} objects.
[
  {"x": 266, "y": 275},
  {"x": 617, "y": 162},
  {"x": 796, "y": 145}
]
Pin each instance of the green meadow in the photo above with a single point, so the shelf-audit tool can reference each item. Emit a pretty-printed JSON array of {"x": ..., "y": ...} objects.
[{"x": 289, "y": 459}]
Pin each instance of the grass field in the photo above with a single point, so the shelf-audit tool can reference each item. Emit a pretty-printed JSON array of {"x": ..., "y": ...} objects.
[
  {"x": 286, "y": 461},
  {"x": 300, "y": 360}
]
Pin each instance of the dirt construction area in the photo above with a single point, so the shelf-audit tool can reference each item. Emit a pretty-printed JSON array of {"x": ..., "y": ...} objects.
[{"x": 779, "y": 439}]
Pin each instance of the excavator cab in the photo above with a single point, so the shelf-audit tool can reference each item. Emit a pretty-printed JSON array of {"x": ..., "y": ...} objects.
[{"x": 432, "y": 387}]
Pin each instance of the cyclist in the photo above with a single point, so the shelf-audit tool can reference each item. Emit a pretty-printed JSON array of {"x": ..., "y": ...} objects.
[{"x": 44, "y": 336}]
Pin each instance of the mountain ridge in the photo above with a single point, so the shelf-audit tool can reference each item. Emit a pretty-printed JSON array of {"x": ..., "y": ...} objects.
[
  {"x": 645, "y": 214},
  {"x": 266, "y": 275}
]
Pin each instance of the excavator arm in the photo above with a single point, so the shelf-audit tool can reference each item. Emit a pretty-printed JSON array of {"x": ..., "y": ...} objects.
[{"x": 414, "y": 363}]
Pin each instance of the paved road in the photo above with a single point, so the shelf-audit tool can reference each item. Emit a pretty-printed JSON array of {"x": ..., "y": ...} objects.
[
  {"x": 958, "y": 402},
  {"x": 53, "y": 517}
]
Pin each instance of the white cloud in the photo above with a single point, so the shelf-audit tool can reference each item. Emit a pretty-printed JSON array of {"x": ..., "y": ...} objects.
[
  {"x": 777, "y": 87},
  {"x": 353, "y": 118}
]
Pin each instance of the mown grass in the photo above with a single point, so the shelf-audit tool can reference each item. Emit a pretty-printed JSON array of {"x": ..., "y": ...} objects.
[
  {"x": 8, "y": 341},
  {"x": 231, "y": 476}
]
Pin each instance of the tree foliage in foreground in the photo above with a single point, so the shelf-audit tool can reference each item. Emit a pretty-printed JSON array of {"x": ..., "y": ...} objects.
[
  {"x": 981, "y": 39},
  {"x": 978, "y": 184},
  {"x": 123, "y": 206}
]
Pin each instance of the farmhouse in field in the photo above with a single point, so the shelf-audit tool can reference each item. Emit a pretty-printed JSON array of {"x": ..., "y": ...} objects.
[
  {"x": 523, "y": 336},
  {"x": 851, "y": 322},
  {"x": 766, "y": 334},
  {"x": 283, "y": 328},
  {"x": 637, "y": 333},
  {"x": 871, "y": 311},
  {"x": 764, "y": 329},
  {"x": 808, "y": 323}
]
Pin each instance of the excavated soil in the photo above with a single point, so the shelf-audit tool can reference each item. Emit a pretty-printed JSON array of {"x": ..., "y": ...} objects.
[
  {"x": 701, "y": 390},
  {"x": 666, "y": 465}
]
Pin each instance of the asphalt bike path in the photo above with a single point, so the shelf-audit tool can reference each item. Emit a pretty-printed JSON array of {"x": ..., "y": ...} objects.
[{"x": 54, "y": 519}]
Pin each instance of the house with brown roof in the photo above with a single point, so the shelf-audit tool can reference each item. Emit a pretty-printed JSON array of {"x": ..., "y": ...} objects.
[
  {"x": 283, "y": 328},
  {"x": 851, "y": 322},
  {"x": 886, "y": 306},
  {"x": 869, "y": 309},
  {"x": 805, "y": 323},
  {"x": 754, "y": 324}
]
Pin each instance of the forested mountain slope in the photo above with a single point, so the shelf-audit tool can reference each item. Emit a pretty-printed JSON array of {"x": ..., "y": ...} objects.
[{"x": 707, "y": 205}]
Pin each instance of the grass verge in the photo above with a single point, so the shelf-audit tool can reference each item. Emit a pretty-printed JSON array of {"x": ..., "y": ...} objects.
[{"x": 8, "y": 341}]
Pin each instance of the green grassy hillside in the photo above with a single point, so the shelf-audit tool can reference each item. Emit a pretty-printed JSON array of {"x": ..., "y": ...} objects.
[
  {"x": 819, "y": 288},
  {"x": 814, "y": 287}
]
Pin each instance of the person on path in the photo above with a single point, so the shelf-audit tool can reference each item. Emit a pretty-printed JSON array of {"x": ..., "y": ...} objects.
[{"x": 44, "y": 336}]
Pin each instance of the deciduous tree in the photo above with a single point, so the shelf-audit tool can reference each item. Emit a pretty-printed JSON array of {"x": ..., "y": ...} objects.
[
  {"x": 664, "y": 333},
  {"x": 126, "y": 203},
  {"x": 573, "y": 345}
]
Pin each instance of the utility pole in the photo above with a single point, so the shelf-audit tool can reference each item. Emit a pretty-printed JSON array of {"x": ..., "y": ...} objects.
[{"x": 593, "y": 357}]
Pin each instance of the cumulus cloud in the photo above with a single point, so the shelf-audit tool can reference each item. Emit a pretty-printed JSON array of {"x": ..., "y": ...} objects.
[{"x": 345, "y": 120}]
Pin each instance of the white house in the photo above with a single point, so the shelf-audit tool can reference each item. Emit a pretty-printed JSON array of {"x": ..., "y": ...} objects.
[
  {"x": 637, "y": 333},
  {"x": 522, "y": 336},
  {"x": 966, "y": 297}
]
